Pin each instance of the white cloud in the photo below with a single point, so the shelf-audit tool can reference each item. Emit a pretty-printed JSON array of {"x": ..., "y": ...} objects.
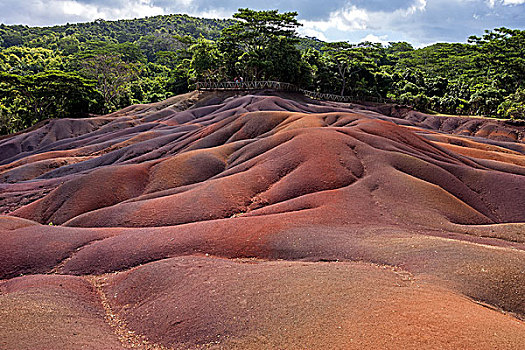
[
  {"x": 419, "y": 5},
  {"x": 78, "y": 11},
  {"x": 312, "y": 33},
  {"x": 125, "y": 9},
  {"x": 353, "y": 18},
  {"x": 493, "y": 3},
  {"x": 376, "y": 39},
  {"x": 217, "y": 13},
  {"x": 349, "y": 18}
]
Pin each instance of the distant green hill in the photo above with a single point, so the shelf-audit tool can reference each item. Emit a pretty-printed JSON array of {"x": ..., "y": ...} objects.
[
  {"x": 112, "y": 31},
  {"x": 151, "y": 34}
]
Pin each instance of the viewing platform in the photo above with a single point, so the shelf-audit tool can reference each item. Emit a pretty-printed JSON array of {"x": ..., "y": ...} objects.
[{"x": 280, "y": 86}]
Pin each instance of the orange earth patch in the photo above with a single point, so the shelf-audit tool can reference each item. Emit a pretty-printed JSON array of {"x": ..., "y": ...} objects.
[{"x": 263, "y": 221}]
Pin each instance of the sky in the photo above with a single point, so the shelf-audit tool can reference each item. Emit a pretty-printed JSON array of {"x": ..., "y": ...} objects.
[{"x": 420, "y": 22}]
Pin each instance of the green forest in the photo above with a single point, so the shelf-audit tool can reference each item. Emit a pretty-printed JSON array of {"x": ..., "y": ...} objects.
[{"x": 78, "y": 70}]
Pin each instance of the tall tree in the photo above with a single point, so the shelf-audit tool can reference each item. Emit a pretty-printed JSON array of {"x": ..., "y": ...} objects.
[
  {"x": 513, "y": 106},
  {"x": 112, "y": 75},
  {"x": 250, "y": 45},
  {"x": 502, "y": 56},
  {"x": 349, "y": 59},
  {"x": 206, "y": 60}
]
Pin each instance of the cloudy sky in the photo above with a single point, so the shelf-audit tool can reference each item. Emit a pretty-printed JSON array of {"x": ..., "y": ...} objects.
[{"x": 420, "y": 22}]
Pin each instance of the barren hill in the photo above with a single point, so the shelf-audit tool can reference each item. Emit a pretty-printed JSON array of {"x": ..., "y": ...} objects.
[{"x": 252, "y": 221}]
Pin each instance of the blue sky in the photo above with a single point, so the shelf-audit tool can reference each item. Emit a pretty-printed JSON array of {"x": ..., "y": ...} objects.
[{"x": 420, "y": 22}]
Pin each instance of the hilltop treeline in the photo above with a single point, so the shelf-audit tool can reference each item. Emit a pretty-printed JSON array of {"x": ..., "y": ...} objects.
[{"x": 98, "y": 67}]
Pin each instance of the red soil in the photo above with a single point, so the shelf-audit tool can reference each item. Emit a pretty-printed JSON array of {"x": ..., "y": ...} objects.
[{"x": 422, "y": 216}]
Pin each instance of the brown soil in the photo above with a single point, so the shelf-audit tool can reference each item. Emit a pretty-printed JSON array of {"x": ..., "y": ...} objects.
[{"x": 266, "y": 221}]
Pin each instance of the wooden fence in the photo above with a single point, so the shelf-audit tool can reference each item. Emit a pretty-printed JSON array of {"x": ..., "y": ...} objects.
[
  {"x": 246, "y": 85},
  {"x": 339, "y": 98},
  {"x": 280, "y": 86}
]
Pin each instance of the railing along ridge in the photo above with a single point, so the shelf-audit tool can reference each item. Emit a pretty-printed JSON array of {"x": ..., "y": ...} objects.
[
  {"x": 245, "y": 85},
  {"x": 280, "y": 86},
  {"x": 339, "y": 98}
]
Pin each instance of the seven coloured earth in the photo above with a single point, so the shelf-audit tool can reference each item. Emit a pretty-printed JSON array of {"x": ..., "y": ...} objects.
[{"x": 263, "y": 220}]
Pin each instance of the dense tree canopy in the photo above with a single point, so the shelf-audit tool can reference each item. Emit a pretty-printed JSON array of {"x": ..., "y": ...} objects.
[
  {"x": 261, "y": 45},
  {"x": 111, "y": 74},
  {"x": 43, "y": 94},
  {"x": 98, "y": 67}
]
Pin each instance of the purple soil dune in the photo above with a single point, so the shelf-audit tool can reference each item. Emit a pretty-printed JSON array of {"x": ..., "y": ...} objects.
[{"x": 262, "y": 221}]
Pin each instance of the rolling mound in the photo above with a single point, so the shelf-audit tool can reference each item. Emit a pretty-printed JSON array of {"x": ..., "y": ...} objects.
[{"x": 266, "y": 220}]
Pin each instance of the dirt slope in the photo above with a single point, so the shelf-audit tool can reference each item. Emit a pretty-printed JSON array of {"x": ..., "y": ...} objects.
[{"x": 263, "y": 220}]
